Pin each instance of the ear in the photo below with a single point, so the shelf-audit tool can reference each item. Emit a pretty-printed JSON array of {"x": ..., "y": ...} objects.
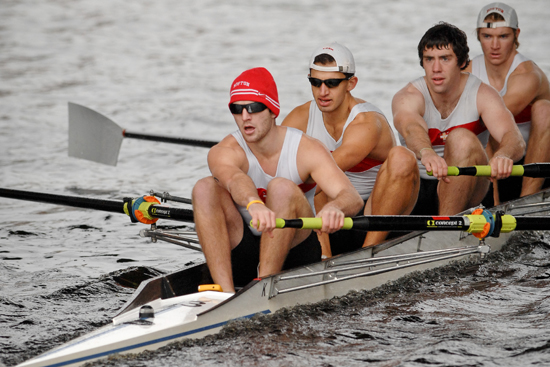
[
  {"x": 352, "y": 83},
  {"x": 517, "y": 32}
]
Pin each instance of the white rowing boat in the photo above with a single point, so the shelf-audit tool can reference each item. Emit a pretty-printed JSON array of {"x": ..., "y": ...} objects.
[{"x": 167, "y": 308}]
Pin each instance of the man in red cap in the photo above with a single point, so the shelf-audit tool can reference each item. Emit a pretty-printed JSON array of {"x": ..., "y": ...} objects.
[
  {"x": 524, "y": 88},
  {"x": 261, "y": 172}
]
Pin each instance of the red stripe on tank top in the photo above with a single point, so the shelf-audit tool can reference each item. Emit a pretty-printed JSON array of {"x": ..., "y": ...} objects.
[{"x": 438, "y": 137}]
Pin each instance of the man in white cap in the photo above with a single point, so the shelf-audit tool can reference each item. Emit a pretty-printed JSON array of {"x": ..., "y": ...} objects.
[
  {"x": 444, "y": 118},
  {"x": 261, "y": 172},
  {"x": 523, "y": 86},
  {"x": 361, "y": 141}
]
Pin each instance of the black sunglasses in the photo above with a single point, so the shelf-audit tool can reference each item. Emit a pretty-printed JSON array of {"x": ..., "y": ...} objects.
[
  {"x": 237, "y": 109},
  {"x": 330, "y": 83}
]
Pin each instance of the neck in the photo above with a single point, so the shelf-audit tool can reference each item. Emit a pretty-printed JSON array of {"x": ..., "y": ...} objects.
[
  {"x": 499, "y": 71},
  {"x": 270, "y": 144},
  {"x": 340, "y": 115}
]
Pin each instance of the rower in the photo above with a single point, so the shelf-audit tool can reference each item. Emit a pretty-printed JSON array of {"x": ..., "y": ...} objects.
[
  {"x": 260, "y": 172},
  {"x": 524, "y": 88},
  {"x": 445, "y": 117},
  {"x": 362, "y": 144}
]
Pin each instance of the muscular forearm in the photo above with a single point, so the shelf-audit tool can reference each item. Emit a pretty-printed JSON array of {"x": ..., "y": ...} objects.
[
  {"x": 511, "y": 146},
  {"x": 242, "y": 190},
  {"x": 417, "y": 139},
  {"x": 348, "y": 202}
]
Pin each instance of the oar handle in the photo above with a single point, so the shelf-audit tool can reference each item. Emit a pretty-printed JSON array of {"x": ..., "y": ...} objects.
[
  {"x": 537, "y": 170},
  {"x": 308, "y": 223},
  {"x": 481, "y": 223}
]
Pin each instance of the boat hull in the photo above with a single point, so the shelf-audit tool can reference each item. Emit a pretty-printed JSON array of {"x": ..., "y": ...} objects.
[{"x": 181, "y": 314}]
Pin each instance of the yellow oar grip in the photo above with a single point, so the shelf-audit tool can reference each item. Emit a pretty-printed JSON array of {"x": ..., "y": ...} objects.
[
  {"x": 313, "y": 223},
  {"x": 509, "y": 223},
  {"x": 279, "y": 223},
  {"x": 451, "y": 171}
]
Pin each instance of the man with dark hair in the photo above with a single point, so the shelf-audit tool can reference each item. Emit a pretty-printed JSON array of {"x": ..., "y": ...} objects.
[
  {"x": 260, "y": 172},
  {"x": 361, "y": 141},
  {"x": 523, "y": 86},
  {"x": 445, "y": 118}
]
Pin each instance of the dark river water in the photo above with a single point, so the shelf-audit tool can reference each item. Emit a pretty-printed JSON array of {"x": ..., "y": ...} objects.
[{"x": 164, "y": 67}]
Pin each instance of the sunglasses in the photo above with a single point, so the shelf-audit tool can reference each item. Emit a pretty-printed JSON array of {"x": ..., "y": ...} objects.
[
  {"x": 237, "y": 109},
  {"x": 330, "y": 83}
]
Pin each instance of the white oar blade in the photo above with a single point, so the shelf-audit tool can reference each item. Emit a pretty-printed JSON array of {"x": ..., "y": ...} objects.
[{"x": 93, "y": 136}]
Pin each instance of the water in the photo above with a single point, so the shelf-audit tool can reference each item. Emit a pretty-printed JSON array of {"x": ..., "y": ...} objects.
[{"x": 164, "y": 67}]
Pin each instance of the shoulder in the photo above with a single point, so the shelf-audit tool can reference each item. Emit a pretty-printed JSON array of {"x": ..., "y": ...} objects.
[
  {"x": 527, "y": 69},
  {"x": 298, "y": 117},
  {"x": 227, "y": 150},
  {"x": 368, "y": 117},
  {"x": 486, "y": 93},
  {"x": 311, "y": 147},
  {"x": 408, "y": 96}
]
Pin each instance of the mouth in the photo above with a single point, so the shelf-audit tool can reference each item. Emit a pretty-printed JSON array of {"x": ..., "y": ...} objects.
[
  {"x": 324, "y": 102},
  {"x": 438, "y": 80},
  {"x": 249, "y": 129}
]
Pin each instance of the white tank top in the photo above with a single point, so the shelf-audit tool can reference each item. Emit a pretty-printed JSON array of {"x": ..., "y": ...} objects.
[
  {"x": 465, "y": 115},
  {"x": 523, "y": 119},
  {"x": 363, "y": 175},
  {"x": 286, "y": 168}
]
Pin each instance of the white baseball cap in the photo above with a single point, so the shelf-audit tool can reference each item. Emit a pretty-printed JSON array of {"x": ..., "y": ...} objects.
[
  {"x": 508, "y": 13},
  {"x": 341, "y": 54}
]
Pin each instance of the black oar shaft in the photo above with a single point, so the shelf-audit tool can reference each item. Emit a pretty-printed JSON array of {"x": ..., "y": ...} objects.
[
  {"x": 165, "y": 212},
  {"x": 537, "y": 170},
  {"x": 169, "y": 139},
  {"x": 409, "y": 223},
  {"x": 115, "y": 206},
  {"x": 75, "y": 201},
  {"x": 532, "y": 223}
]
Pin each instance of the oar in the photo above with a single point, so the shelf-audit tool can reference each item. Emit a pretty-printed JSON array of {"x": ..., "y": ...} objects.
[
  {"x": 115, "y": 206},
  {"x": 95, "y": 137},
  {"x": 536, "y": 170},
  {"x": 480, "y": 222}
]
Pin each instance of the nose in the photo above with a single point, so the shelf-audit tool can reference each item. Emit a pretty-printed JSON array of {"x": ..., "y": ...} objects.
[
  {"x": 494, "y": 42},
  {"x": 323, "y": 89},
  {"x": 245, "y": 115},
  {"x": 436, "y": 65}
]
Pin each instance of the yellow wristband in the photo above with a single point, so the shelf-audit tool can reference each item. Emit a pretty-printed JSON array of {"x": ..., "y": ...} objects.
[{"x": 254, "y": 202}]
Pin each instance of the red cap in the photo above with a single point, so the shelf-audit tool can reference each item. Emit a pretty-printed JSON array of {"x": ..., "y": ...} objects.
[{"x": 256, "y": 85}]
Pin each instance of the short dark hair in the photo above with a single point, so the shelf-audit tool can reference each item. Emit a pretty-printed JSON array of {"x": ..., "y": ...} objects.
[
  {"x": 441, "y": 36},
  {"x": 496, "y": 17},
  {"x": 325, "y": 59}
]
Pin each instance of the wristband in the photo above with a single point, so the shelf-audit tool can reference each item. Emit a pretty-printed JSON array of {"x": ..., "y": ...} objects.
[{"x": 254, "y": 202}]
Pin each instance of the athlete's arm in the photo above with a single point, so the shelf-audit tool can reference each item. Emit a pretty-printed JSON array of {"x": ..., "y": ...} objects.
[
  {"x": 523, "y": 87},
  {"x": 298, "y": 118},
  {"x": 228, "y": 165},
  {"x": 503, "y": 129},
  {"x": 366, "y": 132},
  {"x": 315, "y": 162},
  {"x": 408, "y": 109}
]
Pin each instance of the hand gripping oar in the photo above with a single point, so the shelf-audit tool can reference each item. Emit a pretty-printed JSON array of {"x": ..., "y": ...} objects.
[
  {"x": 94, "y": 137},
  {"x": 481, "y": 223},
  {"x": 148, "y": 210},
  {"x": 537, "y": 170}
]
